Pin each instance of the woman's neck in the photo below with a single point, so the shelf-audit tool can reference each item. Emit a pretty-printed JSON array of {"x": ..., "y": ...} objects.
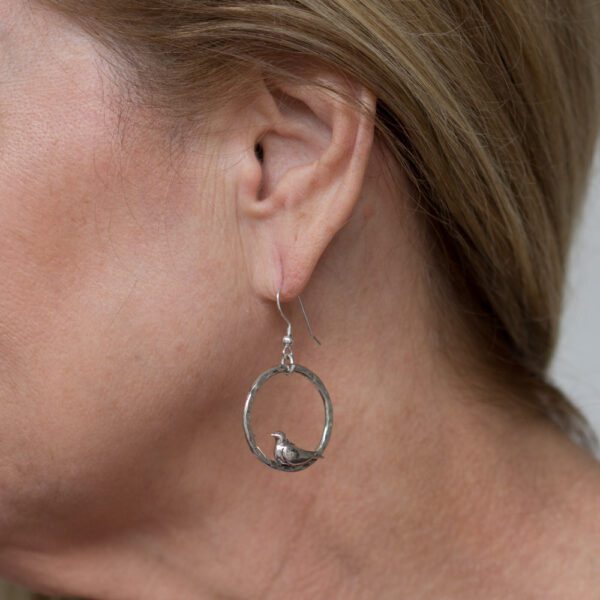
[
  {"x": 427, "y": 489},
  {"x": 425, "y": 492}
]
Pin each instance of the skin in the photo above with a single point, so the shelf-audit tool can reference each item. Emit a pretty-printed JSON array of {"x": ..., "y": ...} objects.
[{"x": 136, "y": 310}]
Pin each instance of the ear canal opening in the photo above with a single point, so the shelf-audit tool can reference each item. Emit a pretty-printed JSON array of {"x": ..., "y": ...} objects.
[{"x": 259, "y": 152}]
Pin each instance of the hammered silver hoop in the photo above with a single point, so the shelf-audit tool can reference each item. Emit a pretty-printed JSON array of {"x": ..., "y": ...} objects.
[{"x": 328, "y": 423}]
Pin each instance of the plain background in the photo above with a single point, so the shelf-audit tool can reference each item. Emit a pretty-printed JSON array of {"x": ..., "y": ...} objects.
[{"x": 576, "y": 365}]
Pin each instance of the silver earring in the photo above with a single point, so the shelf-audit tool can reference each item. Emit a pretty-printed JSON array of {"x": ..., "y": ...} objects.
[{"x": 287, "y": 456}]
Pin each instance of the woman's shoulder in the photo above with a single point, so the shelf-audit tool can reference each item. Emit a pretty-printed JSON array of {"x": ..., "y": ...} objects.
[{"x": 561, "y": 554}]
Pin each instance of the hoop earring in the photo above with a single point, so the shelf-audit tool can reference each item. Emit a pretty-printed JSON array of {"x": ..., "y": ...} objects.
[{"x": 287, "y": 456}]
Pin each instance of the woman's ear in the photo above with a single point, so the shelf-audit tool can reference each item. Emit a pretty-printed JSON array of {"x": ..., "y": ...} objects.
[{"x": 301, "y": 177}]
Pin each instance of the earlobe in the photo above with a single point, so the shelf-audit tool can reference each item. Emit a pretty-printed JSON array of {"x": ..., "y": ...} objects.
[{"x": 315, "y": 150}]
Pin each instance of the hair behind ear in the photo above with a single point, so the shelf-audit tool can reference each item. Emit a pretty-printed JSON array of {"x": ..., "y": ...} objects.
[{"x": 492, "y": 108}]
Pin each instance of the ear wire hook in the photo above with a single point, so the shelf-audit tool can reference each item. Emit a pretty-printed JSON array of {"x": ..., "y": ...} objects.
[{"x": 289, "y": 325}]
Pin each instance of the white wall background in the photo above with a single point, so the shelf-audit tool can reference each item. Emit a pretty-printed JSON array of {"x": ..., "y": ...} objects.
[{"x": 576, "y": 366}]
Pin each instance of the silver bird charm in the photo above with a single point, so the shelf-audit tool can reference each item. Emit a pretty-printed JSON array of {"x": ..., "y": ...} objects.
[{"x": 289, "y": 455}]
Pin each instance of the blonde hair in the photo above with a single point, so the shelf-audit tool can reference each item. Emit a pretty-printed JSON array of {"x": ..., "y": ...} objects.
[{"x": 491, "y": 108}]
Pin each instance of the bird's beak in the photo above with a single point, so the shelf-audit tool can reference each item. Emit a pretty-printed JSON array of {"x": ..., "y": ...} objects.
[{"x": 273, "y": 435}]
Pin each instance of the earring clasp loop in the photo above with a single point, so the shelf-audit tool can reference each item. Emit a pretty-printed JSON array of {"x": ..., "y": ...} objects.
[{"x": 289, "y": 325}]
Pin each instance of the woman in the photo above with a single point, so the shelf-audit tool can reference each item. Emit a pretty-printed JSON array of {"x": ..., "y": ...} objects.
[{"x": 413, "y": 171}]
